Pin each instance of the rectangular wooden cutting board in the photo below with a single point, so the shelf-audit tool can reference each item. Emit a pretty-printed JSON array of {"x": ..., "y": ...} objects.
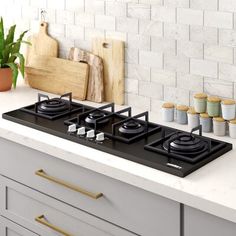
[
  {"x": 59, "y": 76},
  {"x": 113, "y": 54}
]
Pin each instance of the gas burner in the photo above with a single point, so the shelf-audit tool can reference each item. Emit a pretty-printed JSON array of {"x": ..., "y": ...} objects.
[
  {"x": 131, "y": 128},
  {"x": 53, "y": 106},
  {"x": 96, "y": 116},
  {"x": 185, "y": 144}
]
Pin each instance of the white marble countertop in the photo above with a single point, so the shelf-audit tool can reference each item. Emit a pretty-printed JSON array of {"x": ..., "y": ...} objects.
[{"x": 212, "y": 188}]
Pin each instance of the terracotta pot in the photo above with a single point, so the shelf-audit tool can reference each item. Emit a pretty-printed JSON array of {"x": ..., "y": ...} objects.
[{"x": 5, "y": 79}]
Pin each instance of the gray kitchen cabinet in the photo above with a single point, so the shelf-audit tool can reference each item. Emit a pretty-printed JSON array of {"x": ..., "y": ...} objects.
[
  {"x": 116, "y": 202},
  {"x": 9, "y": 228},
  {"x": 198, "y": 223},
  {"x": 47, "y": 216}
]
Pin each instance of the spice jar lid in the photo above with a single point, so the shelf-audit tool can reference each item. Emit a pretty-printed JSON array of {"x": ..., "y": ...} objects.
[
  {"x": 228, "y": 102},
  {"x": 182, "y": 108},
  {"x": 192, "y": 111},
  {"x": 168, "y": 105},
  {"x": 218, "y": 119},
  {"x": 233, "y": 121},
  {"x": 213, "y": 99},
  {"x": 200, "y": 95},
  {"x": 204, "y": 115}
]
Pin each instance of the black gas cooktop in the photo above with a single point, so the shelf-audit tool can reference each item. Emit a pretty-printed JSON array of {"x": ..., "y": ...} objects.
[{"x": 119, "y": 133}]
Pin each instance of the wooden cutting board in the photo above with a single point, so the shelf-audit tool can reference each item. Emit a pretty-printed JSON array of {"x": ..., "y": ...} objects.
[
  {"x": 59, "y": 76},
  {"x": 42, "y": 44},
  {"x": 95, "y": 91},
  {"x": 112, "y": 52}
]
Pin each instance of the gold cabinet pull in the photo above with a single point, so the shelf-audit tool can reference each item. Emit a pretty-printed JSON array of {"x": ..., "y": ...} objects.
[
  {"x": 42, "y": 174},
  {"x": 41, "y": 219}
]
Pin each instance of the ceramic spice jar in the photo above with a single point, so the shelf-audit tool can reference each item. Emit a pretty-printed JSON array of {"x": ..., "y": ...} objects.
[
  {"x": 193, "y": 118},
  {"x": 232, "y": 129},
  {"x": 213, "y": 106},
  {"x": 181, "y": 114},
  {"x": 200, "y": 102},
  {"x": 206, "y": 122},
  {"x": 168, "y": 111},
  {"x": 219, "y": 126},
  {"x": 228, "y": 109}
]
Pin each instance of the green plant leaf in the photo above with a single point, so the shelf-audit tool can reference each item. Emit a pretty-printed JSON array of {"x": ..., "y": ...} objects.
[
  {"x": 6, "y": 52},
  {"x": 10, "y": 36},
  {"x": 26, "y": 42},
  {"x": 14, "y": 68},
  {"x": 16, "y": 48},
  {"x": 22, "y": 63},
  {"x": 1, "y": 37}
]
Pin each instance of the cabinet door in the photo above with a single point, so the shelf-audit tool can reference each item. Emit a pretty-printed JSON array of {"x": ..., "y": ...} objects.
[
  {"x": 49, "y": 217},
  {"x": 122, "y": 204},
  {"x": 8, "y": 228},
  {"x": 198, "y": 223}
]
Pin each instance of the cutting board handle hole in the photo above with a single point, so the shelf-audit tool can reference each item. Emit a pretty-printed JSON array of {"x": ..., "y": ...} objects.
[{"x": 106, "y": 45}]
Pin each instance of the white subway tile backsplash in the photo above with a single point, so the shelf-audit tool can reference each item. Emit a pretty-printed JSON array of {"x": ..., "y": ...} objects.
[
  {"x": 84, "y": 19},
  {"x": 204, "y": 4},
  {"x": 176, "y": 3},
  {"x": 132, "y": 55},
  {"x": 227, "y": 5},
  {"x": 138, "y": 10},
  {"x": 116, "y": 9},
  {"x": 190, "y": 49},
  {"x": 204, "y": 68},
  {"x": 227, "y": 72},
  {"x": 95, "y": 7},
  {"x": 105, "y": 22},
  {"x": 191, "y": 82},
  {"x": 163, "y": 14},
  {"x": 138, "y": 101},
  {"x": 176, "y": 95},
  {"x": 65, "y": 17},
  {"x": 175, "y": 31},
  {"x": 178, "y": 63},
  {"x": 129, "y": 25},
  {"x": 218, "y": 87},
  {"x": 203, "y": 34},
  {"x": 76, "y": 6},
  {"x": 218, "y": 53},
  {"x": 173, "y": 48},
  {"x": 138, "y": 41},
  {"x": 131, "y": 85},
  {"x": 217, "y": 19},
  {"x": 152, "y": 90},
  {"x": 58, "y": 4},
  {"x": 189, "y": 16},
  {"x": 164, "y": 77},
  {"x": 163, "y": 45},
  {"x": 74, "y": 32},
  {"x": 151, "y": 59},
  {"x": 227, "y": 37},
  {"x": 138, "y": 72},
  {"x": 150, "y": 28}
]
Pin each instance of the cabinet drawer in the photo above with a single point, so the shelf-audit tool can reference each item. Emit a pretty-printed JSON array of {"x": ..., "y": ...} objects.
[
  {"x": 47, "y": 216},
  {"x": 127, "y": 206},
  {"x": 9, "y": 228}
]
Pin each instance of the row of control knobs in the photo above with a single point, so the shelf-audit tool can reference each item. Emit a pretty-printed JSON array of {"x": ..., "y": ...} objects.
[{"x": 90, "y": 134}]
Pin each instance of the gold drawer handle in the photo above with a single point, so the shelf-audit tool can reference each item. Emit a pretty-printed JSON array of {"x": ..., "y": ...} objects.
[
  {"x": 41, "y": 219},
  {"x": 42, "y": 174}
]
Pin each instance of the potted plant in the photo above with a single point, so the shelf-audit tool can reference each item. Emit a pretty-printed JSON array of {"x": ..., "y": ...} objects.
[{"x": 9, "y": 52}]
